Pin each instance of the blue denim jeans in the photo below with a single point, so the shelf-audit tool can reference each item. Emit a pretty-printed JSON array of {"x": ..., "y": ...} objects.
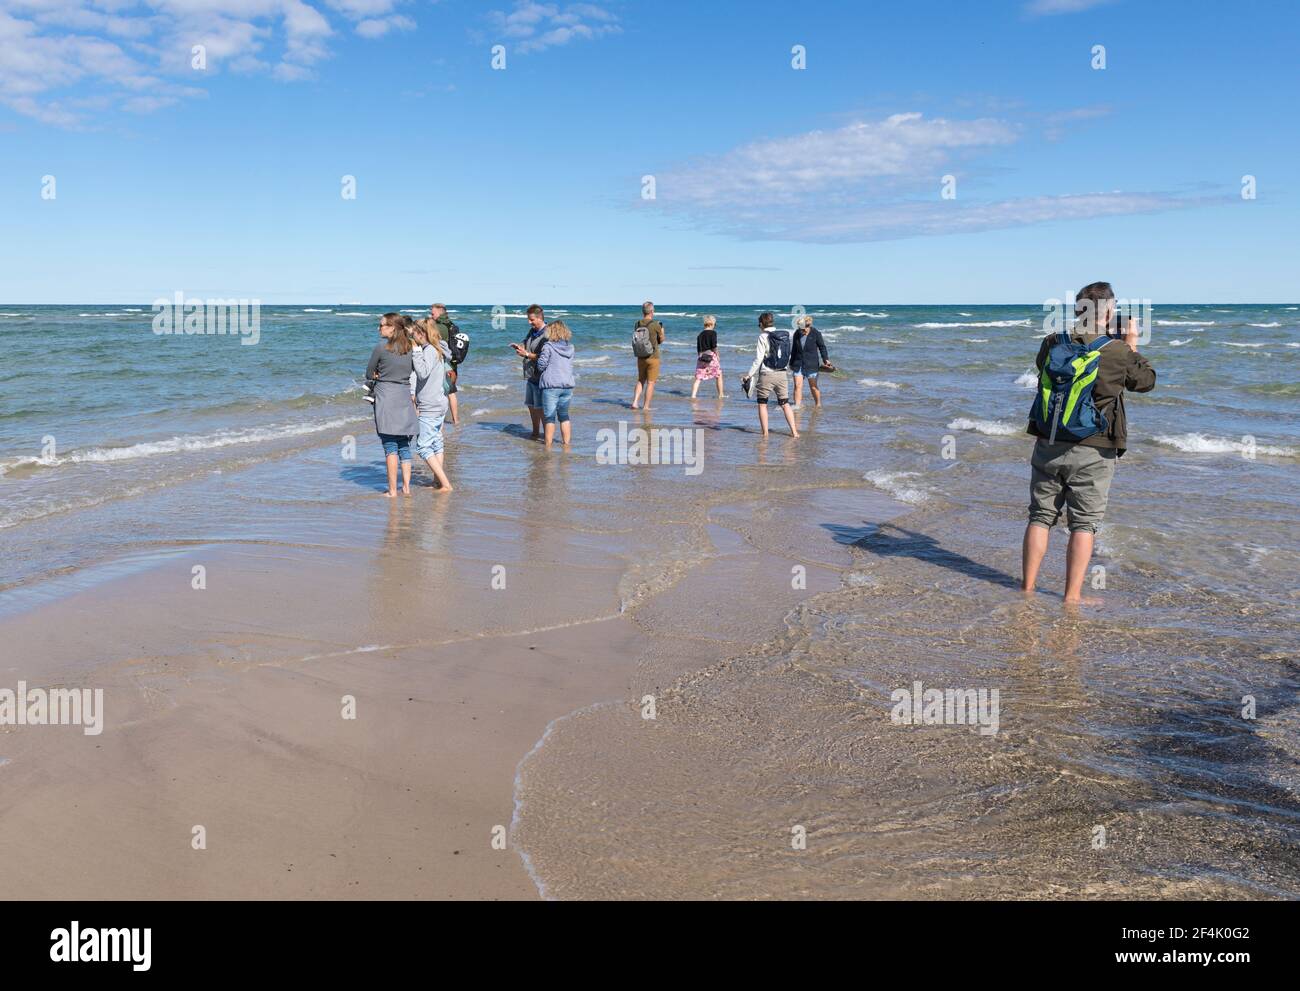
[
  {"x": 396, "y": 444},
  {"x": 555, "y": 405},
  {"x": 429, "y": 440}
]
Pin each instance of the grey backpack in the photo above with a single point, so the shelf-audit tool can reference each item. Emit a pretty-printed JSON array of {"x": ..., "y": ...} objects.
[{"x": 642, "y": 345}]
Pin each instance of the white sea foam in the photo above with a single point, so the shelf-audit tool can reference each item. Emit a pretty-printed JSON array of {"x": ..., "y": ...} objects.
[
  {"x": 848, "y": 326},
  {"x": 352, "y": 313},
  {"x": 495, "y": 387},
  {"x": 1178, "y": 344},
  {"x": 878, "y": 384},
  {"x": 1029, "y": 380},
  {"x": 1236, "y": 344},
  {"x": 1264, "y": 325},
  {"x": 994, "y": 428},
  {"x": 984, "y": 323},
  {"x": 599, "y": 360},
  {"x": 895, "y": 483},
  {"x": 173, "y": 445},
  {"x": 890, "y": 340},
  {"x": 976, "y": 340},
  {"x": 310, "y": 310},
  {"x": 1194, "y": 443},
  {"x": 1185, "y": 323}
]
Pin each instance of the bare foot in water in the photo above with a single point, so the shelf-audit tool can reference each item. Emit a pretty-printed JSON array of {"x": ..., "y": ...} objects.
[
  {"x": 446, "y": 488},
  {"x": 406, "y": 490},
  {"x": 1085, "y": 600},
  {"x": 390, "y": 495}
]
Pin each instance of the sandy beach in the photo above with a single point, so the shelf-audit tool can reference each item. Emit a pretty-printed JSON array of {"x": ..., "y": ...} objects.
[{"x": 581, "y": 679}]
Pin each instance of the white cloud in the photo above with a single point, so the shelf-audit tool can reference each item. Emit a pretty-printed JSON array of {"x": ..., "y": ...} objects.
[
  {"x": 52, "y": 49},
  {"x": 1062, "y": 122},
  {"x": 533, "y": 27},
  {"x": 377, "y": 27},
  {"x": 870, "y": 181},
  {"x": 1040, "y": 8}
]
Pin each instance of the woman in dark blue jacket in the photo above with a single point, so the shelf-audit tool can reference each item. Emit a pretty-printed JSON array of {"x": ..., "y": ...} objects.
[{"x": 807, "y": 355}]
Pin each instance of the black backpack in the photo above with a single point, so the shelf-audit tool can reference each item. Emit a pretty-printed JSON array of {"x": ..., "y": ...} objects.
[
  {"x": 457, "y": 345},
  {"x": 778, "y": 350}
]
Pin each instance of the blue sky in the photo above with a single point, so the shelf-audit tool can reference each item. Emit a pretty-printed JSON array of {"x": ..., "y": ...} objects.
[{"x": 772, "y": 184}]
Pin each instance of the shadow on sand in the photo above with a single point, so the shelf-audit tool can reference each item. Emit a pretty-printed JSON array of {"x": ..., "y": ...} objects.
[{"x": 888, "y": 540}]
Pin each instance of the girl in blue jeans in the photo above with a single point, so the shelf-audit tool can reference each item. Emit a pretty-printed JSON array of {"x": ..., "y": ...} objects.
[
  {"x": 429, "y": 396},
  {"x": 555, "y": 363},
  {"x": 390, "y": 370}
]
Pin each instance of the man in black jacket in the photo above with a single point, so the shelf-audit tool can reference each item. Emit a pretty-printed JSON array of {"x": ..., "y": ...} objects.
[{"x": 1076, "y": 475}]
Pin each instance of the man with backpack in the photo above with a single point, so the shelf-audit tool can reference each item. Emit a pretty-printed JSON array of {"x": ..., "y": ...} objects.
[
  {"x": 647, "y": 336},
  {"x": 769, "y": 375},
  {"x": 1078, "y": 417},
  {"x": 456, "y": 343}
]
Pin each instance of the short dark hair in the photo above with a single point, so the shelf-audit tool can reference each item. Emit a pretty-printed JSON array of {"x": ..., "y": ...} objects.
[
  {"x": 1090, "y": 295},
  {"x": 765, "y": 319},
  {"x": 536, "y": 311}
]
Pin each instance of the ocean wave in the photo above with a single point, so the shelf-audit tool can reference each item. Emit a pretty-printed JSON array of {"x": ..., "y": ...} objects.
[
  {"x": 1194, "y": 443},
  {"x": 1178, "y": 344},
  {"x": 976, "y": 340},
  {"x": 352, "y": 313},
  {"x": 599, "y": 360},
  {"x": 1184, "y": 323},
  {"x": 495, "y": 387},
  {"x": 985, "y": 323},
  {"x": 174, "y": 445},
  {"x": 1236, "y": 344},
  {"x": 889, "y": 340},
  {"x": 1264, "y": 325},
  {"x": 878, "y": 384},
  {"x": 1029, "y": 380},
  {"x": 310, "y": 310},
  {"x": 848, "y": 326},
  {"x": 993, "y": 428},
  {"x": 895, "y": 483}
]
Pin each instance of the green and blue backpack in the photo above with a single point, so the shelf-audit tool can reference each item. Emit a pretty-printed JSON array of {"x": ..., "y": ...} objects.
[{"x": 1064, "y": 407}]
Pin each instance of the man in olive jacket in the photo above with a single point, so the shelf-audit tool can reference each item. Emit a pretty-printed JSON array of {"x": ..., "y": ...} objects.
[{"x": 1076, "y": 475}]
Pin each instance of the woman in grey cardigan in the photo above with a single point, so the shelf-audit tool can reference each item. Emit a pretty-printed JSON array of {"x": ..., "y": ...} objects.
[{"x": 390, "y": 370}]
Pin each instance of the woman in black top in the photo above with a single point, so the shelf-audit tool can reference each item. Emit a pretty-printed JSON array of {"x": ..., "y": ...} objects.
[{"x": 707, "y": 365}]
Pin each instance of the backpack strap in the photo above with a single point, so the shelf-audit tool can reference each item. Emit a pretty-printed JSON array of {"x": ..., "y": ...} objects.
[{"x": 1098, "y": 343}]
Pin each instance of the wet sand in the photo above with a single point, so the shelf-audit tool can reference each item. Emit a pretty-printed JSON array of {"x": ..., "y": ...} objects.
[{"x": 223, "y": 709}]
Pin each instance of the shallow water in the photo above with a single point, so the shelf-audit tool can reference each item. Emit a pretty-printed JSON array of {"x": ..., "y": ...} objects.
[{"x": 774, "y": 702}]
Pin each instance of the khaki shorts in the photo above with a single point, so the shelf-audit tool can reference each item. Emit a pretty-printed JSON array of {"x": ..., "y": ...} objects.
[
  {"x": 1070, "y": 476},
  {"x": 647, "y": 369},
  {"x": 772, "y": 383}
]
